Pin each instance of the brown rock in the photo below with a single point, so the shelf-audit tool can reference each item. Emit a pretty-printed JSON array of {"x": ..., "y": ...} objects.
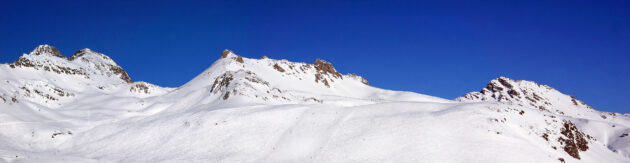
[
  {"x": 277, "y": 67},
  {"x": 225, "y": 53},
  {"x": 326, "y": 68},
  {"x": 140, "y": 87},
  {"x": 120, "y": 71},
  {"x": 574, "y": 141},
  {"x": 47, "y": 49},
  {"x": 505, "y": 83}
]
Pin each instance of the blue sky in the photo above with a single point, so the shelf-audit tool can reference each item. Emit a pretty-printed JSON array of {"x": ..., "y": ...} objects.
[{"x": 439, "y": 48}]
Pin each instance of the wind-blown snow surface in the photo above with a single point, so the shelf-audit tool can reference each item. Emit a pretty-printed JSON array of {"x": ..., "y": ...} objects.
[{"x": 265, "y": 110}]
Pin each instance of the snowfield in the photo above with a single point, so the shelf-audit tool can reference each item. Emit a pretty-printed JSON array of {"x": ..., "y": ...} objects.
[{"x": 86, "y": 108}]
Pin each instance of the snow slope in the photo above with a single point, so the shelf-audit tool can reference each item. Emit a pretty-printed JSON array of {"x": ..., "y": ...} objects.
[{"x": 86, "y": 108}]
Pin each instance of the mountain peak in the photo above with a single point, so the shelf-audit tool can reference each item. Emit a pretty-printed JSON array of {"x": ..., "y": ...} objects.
[
  {"x": 46, "y": 49},
  {"x": 90, "y": 64},
  {"x": 266, "y": 79},
  {"x": 523, "y": 93},
  {"x": 230, "y": 54}
]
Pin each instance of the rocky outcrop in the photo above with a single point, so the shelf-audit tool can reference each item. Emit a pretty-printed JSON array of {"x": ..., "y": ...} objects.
[
  {"x": 280, "y": 69},
  {"x": 523, "y": 93},
  {"x": 221, "y": 83},
  {"x": 573, "y": 139},
  {"x": 363, "y": 80},
  {"x": 324, "y": 67},
  {"x": 117, "y": 70},
  {"x": 225, "y": 53}
]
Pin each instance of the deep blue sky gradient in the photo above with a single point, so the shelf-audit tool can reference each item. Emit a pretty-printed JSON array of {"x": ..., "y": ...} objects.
[{"x": 439, "y": 48}]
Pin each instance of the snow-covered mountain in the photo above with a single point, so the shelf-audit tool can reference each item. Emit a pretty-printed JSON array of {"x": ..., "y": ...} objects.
[
  {"x": 569, "y": 124},
  {"x": 86, "y": 108},
  {"x": 45, "y": 77}
]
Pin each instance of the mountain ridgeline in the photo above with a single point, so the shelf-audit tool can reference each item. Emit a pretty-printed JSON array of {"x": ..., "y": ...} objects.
[{"x": 86, "y": 108}]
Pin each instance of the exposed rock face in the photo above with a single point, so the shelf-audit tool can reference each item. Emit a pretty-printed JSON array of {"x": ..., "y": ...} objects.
[
  {"x": 324, "y": 67},
  {"x": 573, "y": 140}
]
